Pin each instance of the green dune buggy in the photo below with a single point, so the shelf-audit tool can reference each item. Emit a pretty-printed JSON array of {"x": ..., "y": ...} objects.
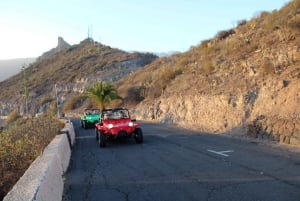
[{"x": 90, "y": 118}]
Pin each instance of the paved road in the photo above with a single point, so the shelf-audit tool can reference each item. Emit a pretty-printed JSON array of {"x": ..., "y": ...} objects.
[{"x": 175, "y": 164}]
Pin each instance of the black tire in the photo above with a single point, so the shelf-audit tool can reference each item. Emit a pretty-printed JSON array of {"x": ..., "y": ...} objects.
[
  {"x": 96, "y": 134},
  {"x": 101, "y": 139},
  {"x": 138, "y": 135},
  {"x": 84, "y": 124}
]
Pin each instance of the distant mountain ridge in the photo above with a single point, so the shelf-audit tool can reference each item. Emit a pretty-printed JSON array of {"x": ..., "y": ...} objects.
[
  {"x": 166, "y": 54},
  {"x": 11, "y": 67}
]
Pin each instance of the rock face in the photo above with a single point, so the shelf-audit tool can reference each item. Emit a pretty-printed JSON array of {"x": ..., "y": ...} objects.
[
  {"x": 61, "y": 45},
  {"x": 110, "y": 73},
  {"x": 245, "y": 81},
  {"x": 270, "y": 113}
]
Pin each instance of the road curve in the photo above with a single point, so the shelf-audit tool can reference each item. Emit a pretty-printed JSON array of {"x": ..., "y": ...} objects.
[{"x": 176, "y": 164}]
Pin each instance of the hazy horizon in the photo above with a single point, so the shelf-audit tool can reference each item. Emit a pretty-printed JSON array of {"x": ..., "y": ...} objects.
[{"x": 10, "y": 67}]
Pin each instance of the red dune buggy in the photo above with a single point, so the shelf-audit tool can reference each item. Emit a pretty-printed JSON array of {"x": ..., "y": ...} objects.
[{"x": 117, "y": 123}]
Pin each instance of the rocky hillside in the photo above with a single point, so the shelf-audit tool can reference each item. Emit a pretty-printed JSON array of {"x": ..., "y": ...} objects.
[
  {"x": 245, "y": 80},
  {"x": 71, "y": 69}
]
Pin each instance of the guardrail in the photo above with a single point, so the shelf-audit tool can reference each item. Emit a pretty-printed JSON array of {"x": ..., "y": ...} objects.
[{"x": 43, "y": 180}]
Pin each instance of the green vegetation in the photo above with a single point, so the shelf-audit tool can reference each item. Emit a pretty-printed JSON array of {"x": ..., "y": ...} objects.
[
  {"x": 21, "y": 144},
  {"x": 103, "y": 93}
]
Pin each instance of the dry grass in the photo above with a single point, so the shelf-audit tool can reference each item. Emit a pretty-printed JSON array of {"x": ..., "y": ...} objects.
[
  {"x": 224, "y": 59},
  {"x": 151, "y": 81},
  {"x": 13, "y": 116},
  {"x": 21, "y": 144},
  {"x": 73, "y": 102},
  {"x": 46, "y": 99}
]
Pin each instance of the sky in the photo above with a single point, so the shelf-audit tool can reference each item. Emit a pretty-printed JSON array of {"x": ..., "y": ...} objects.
[{"x": 29, "y": 28}]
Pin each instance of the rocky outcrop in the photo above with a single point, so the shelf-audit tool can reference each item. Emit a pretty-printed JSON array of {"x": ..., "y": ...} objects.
[{"x": 61, "y": 45}]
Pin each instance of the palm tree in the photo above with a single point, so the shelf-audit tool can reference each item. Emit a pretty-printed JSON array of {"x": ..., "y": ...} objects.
[{"x": 103, "y": 93}]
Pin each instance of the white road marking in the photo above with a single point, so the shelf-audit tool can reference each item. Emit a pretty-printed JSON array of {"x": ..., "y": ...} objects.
[{"x": 222, "y": 153}]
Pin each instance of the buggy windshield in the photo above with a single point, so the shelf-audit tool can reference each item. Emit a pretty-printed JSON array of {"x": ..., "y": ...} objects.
[{"x": 115, "y": 114}]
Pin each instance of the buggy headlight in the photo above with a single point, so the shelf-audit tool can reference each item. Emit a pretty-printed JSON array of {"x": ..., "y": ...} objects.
[
  {"x": 130, "y": 124},
  {"x": 110, "y": 126}
]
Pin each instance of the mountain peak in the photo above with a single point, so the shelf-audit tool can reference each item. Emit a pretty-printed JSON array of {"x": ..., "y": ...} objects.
[{"x": 61, "y": 44}]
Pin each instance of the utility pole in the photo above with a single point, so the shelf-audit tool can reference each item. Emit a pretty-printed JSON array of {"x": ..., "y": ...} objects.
[
  {"x": 26, "y": 94},
  {"x": 90, "y": 33},
  {"x": 57, "y": 102}
]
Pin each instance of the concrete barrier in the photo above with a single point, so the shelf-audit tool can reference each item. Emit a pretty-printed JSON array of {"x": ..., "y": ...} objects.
[
  {"x": 69, "y": 130},
  {"x": 43, "y": 180}
]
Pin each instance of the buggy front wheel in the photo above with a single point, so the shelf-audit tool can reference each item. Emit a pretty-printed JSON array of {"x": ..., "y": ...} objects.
[
  {"x": 96, "y": 134},
  {"x": 138, "y": 135},
  {"x": 101, "y": 139}
]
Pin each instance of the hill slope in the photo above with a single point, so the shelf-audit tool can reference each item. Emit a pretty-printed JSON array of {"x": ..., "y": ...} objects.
[
  {"x": 71, "y": 69},
  {"x": 244, "y": 80}
]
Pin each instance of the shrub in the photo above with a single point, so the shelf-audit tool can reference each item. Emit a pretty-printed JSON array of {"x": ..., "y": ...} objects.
[
  {"x": 136, "y": 94},
  {"x": 241, "y": 23},
  {"x": 204, "y": 44},
  {"x": 45, "y": 100},
  {"x": 170, "y": 73},
  {"x": 90, "y": 104},
  {"x": 267, "y": 66},
  {"x": 12, "y": 117},
  {"x": 224, "y": 34},
  {"x": 73, "y": 102},
  {"x": 182, "y": 62},
  {"x": 207, "y": 66},
  {"x": 156, "y": 90},
  {"x": 161, "y": 78},
  {"x": 21, "y": 144}
]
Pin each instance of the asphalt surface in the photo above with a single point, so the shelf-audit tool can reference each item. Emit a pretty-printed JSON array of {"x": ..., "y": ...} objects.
[{"x": 176, "y": 164}]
